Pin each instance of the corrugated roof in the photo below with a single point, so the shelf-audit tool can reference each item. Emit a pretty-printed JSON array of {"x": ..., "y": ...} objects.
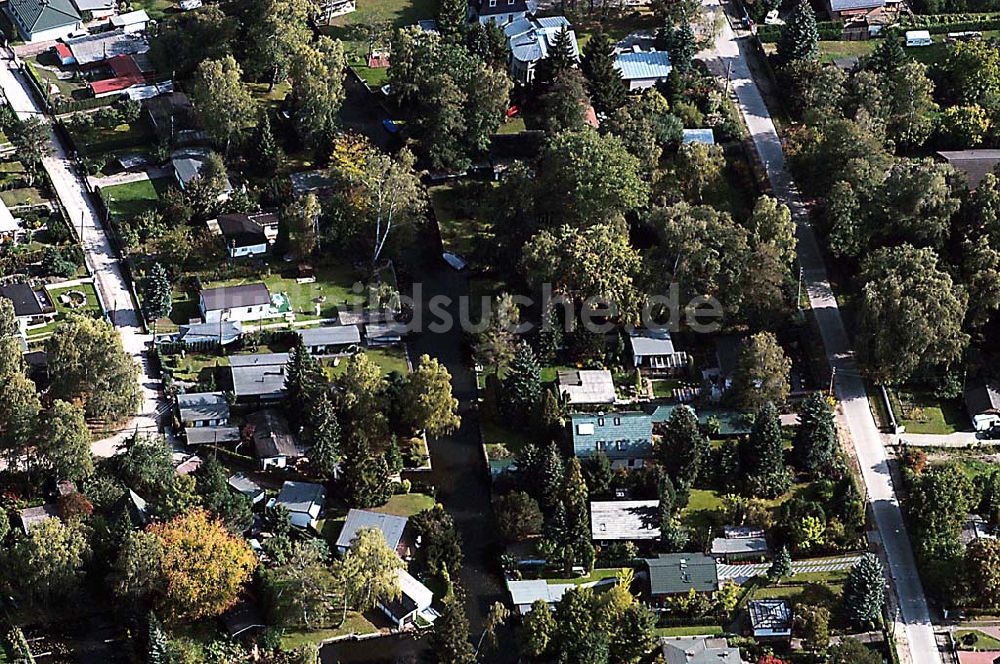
[
  {"x": 88, "y": 49},
  {"x": 202, "y": 406},
  {"x": 851, "y": 5},
  {"x": 229, "y": 297},
  {"x": 643, "y": 65},
  {"x": 333, "y": 335}
]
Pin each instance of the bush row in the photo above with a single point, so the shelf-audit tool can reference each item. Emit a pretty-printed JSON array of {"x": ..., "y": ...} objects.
[{"x": 933, "y": 23}]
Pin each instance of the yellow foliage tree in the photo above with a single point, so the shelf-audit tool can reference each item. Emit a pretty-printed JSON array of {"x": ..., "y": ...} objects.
[{"x": 204, "y": 565}]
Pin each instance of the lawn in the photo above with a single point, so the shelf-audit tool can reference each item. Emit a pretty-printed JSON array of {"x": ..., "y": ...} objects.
[
  {"x": 694, "y": 630},
  {"x": 24, "y": 196},
  {"x": 495, "y": 433},
  {"x": 978, "y": 640},
  {"x": 460, "y": 233},
  {"x": 701, "y": 509},
  {"x": 375, "y": 77},
  {"x": 356, "y": 623},
  {"x": 91, "y": 305},
  {"x": 128, "y": 200},
  {"x": 922, "y": 412},
  {"x": 596, "y": 575},
  {"x": 406, "y": 504},
  {"x": 512, "y": 126},
  {"x": 836, "y": 50},
  {"x": 98, "y": 140},
  {"x": 194, "y": 367},
  {"x": 156, "y": 9},
  {"x": 390, "y": 358},
  {"x": 350, "y": 28},
  {"x": 816, "y": 588}
]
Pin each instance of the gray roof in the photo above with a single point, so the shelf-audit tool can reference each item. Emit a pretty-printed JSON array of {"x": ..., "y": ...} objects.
[
  {"x": 272, "y": 437},
  {"x": 849, "y": 5},
  {"x": 211, "y": 435},
  {"x": 230, "y": 297},
  {"x": 32, "y": 516},
  {"x": 258, "y": 380},
  {"x": 230, "y": 331},
  {"x": 94, "y": 5},
  {"x": 974, "y": 163},
  {"x": 187, "y": 168},
  {"x": 104, "y": 45},
  {"x": 27, "y": 301},
  {"x": 301, "y": 496},
  {"x": 391, "y": 527},
  {"x": 676, "y": 573},
  {"x": 245, "y": 485},
  {"x": 983, "y": 398},
  {"x": 333, "y": 335},
  {"x": 643, "y": 65},
  {"x": 386, "y": 330},
  {"x": 202, "y": 406},
  {"x": 528, "y": 592},
  {"x": 482, "y": 7},
  {"x": 704, "y": 135},
  {"x": 305, "y": 182},
  {"x": 773, "y": 614},
  {"x": 619, "y": 435},
  {"x": 241, "y": 230},
  {"x": 699, "y": 650},
  {"x": 530, "y": 39},
  {"x": 258, "y": 360},
  {"x": 733, "y": 546},
  {"x": 130, "y": 18},
  {"x": 651, "y": 342},
  {"x": 625, "y": 519},
  {"x": 40, "y": 15},
  {"x": 587, "y": 386}
]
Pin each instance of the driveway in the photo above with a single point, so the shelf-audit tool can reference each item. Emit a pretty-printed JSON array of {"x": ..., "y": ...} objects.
[{"x": 915, "y": 643}]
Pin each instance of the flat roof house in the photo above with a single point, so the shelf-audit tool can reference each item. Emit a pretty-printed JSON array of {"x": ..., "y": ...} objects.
[
  {"x": 91, "y": 49},
  {"x": 31, "y": 306},
  {"x": 529, "y": 41},
  {"x": 222, "y": 333},
  {"x": 414, "y": 601},
  {"x": 982, "y": 401},
  {"x": 203, "y": 409},
  {"x": 213, "y": 435},
  {"x": 679, "y": 573},
  {"x": 131, "y": 22},
  {"x": 699, "y": 650},
  {"x": 31, "y": 517},
  {"x": 99, "y": 9},
  {"x": 303, "y": 500},
  {"x": 586, "y": 386},
  {"x": 258, "y": 378},
  {"x": 736, "y": 549},
  {"x": 653, "y": 351},
  {"x": 331, "y": 339},
  {"x": 523, "y": 594},
  {"x": 770, "y": 618},
  {"x": 240, "y": 303},
  {"x": 643, "y": 69},
  {"x": 500, "y": 12},
  {"x": 44, "y": 20},
  {"x": 626, "y": 438},
  {"x": 274, "y": 443},
  {"x": 393, "y": 529},
  {"x": 624, "y": 520}
]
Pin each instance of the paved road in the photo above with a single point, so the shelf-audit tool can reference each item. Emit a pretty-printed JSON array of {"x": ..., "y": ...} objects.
[
  {"x": 101, "y": 258},
  {"x": 916, "y": 641}
]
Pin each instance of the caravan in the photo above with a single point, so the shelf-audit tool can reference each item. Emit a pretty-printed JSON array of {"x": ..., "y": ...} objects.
[{"x": 918, "y": 38}]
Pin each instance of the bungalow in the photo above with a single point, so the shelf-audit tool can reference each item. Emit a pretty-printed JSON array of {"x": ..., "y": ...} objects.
[
  {"x": 131, "y": 22},
  {"x": 501, "y": 12},
  {"x": 31, "y": 306},
  {"x": 244, "y": 234},
  {"x": 643, "y": 69},
  {"x": 131, "y": 508},
  {"x": 188, "y": 465},
  {"x": 679, "y": 573},
  {"x": 203, "y": 409},
  {"x": 386, "y": 333},
  {"x": 529, "y": 41},
  {"x": 586, "y": 386},
  {"x": 44, "y": 20},
  {"x": 275, "y": 446},
  {"x": 982, "y": 400},
  {"x": 626, "y": 438},
  {"x": 125, "y": 74},
  {"x": 653, "y": 351},
  {"x": 414, "y": 602},
  {"x": 624, "y": 520},
  {"x": 331, "y": 339},
  {"x": 311, "y": 182},
  {"x": 239, "y": 303},
  {"x": 173, "y": 118},
  {"x": 245, "y": 486},
  {"x": 212, "y": 435},
  {"x": 770, "y": 618},
  {"x": 740, "y": 544},
  {"x": 98, "y": 9},
  {"x": 31, "y": 517},
  {"x": 524, "y": 594},
  {"x": 258, "y": 378},
  {"x": 974, "y": 163},
  {"x": 393, "y": 529},
  {"x": 91, "y": 49},
  {"x": 699, "y": 650},
  {"x": 222, "y": 333},
  {"x": 303, "y": 500},
  {"x": 188, "y": 165}
]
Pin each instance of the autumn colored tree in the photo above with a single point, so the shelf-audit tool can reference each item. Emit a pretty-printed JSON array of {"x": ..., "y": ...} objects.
[{"x": 204, "y": 565}]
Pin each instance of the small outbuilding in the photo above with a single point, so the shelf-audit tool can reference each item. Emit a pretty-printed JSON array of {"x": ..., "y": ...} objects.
[
  {"x": 770, "y": 618},
  {"x": 203, "y": 409},
  {"x": 413, "y": 604},
  {"x": 624, "y": 520},
  {"x": 303, "y": 500},
  {"x": 982, "y": 400},
  {"x": 393, "y": 529},
  {"x": 274, "y": 444},
  {"x": 586, "y": 386}
]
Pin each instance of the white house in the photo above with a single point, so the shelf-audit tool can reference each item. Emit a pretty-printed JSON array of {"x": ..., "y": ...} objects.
[
  {"x": 530, "y": 40},
  {"x": 131, "y": 22},
  {"x": 243, "y": 234},
  {"x": 653, "y": 350},
  {"x": 330, "y": 339},
  {"x": 44, "y": 20},
  {"x": 414, "y": 601},
  {"x": 524, "y": 594},
  {"x": 501, "y": 12},
  {"x": 586, "y": 386},
  {"x": 624, "y": 520},
  {"x": 240, "y": 303},
  {"x": 303, "y": 500},
  {"x": 982, "y": 400},
  {"x": 643, "y": 69},
  {"x": 770, "y": 618}
]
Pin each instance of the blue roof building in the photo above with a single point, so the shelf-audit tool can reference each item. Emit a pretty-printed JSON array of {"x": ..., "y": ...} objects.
[
  {"x": 643, "y": 69},
  {"x": 703, "y": 135},
  {"x": 626, "y": 438}
]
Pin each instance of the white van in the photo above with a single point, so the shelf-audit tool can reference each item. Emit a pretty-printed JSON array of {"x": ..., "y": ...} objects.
[{"x": 918, "y": 38}]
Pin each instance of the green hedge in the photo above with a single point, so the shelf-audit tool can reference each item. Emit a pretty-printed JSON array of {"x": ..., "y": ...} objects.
[
  {"x": 934, "y": 23},
  {"x": 828, "y": 31}
]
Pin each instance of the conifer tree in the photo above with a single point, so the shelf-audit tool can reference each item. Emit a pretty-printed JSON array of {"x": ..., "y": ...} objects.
[
  {"x": 522, "y": 386},
  {"x": 158, "y": 652},
  {"x": 322, "y": 433},
  {"x": 450, "y": 639},
  {"x": 451, "y": 18},
  {"x": 762, "y": 456},
  {"x": 682, "y": 449},
  {"x": 799, "y": 37},
  {"x": 156, "y": 296},
  {"x": 560, "y": 58},
  {"x": 604, "y": 81},
  {"x": 304, "y": 380},
  {"x": 267, "y": 153},
  {"x": 667, "y": 502},
  {"x": 781, "y": 567},
  {"x": 864, "y": 591},
  {"x": 814, "y": 445},
  {"x": 679, "y": 43},
  {"x": 888, "y": 56}
]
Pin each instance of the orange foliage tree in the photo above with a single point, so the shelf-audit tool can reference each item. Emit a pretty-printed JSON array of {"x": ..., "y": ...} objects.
[{"x": 203, "y": 564}]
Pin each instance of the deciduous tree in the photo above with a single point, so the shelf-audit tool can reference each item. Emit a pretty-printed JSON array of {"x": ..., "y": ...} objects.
[
  {"x": 518, "y": 516},
  {"x": 427, "y": 401},
  {"x": 48, "y": 564},
  {"x": 222, "y": 100},
  {"x": 367, "y": 573},
  {"x": 63, "y": 441},
  {"x": 299, "y": 588},
  {"x": 317, "y": 89},
  {"x": 762, "y": 373}
]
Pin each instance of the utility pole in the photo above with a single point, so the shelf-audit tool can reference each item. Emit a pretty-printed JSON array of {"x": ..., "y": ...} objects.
[
  {"x": 833, "y": 375},
  {"x": 798, "y": 299}
]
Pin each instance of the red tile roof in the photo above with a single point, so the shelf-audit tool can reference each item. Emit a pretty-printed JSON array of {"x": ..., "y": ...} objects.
[
  {"x": 62, "y": 50},
  {"x": 982, "y": 657},
  {"x": 126, "y": 74}
]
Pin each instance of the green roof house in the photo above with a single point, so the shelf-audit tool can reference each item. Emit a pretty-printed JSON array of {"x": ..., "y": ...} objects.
[
  {"x": 626, "y": 438},
  {"x": 44, "y": 20}
]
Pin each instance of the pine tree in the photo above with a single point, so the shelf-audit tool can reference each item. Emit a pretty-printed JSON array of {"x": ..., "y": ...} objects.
[
  {"x": 799, "y": 37},
  {"x": 323, "y": 434},
  {"x": 598, "y": 474},
  {"x": 551, "y": 415},
  {"x": 451, "y": 18},
  {"x": 304, "y": 380},
  {"x": 762, "y": 456},
  {"x": 450, "y": 639},
  {"x": 814, "y": 445},
  {"x": 888, "y": 56},
  {"x": 560, "y": 59},
  {"x": 156, "y": 296},
  {"x": 488, "y": 42},
  {"x": 157, "y": 648},
  {"x": 864, "y": 591},
  {"x": 366, "y": 474},
  {"x": 522, "y": 386},
  {"x": 682, "y": 448},
  {"x": 679, "y": 43},
  {"x": 781, "y": 567},
  {"x": 550, "y": 477},
  {"x": 550, "y": 337},
  {"x": 668, "y": 498},
  {"x": 394, "y": 456},
  {"x": 267, "y": 155},
  {"x": 604, "y": 81}
]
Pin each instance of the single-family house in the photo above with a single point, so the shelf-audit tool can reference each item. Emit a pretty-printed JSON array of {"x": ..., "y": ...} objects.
[
  {"x": 188, "y": 464},
  {"x": 730, "y": 423},
  {"x": 530, "y": 41},
  {"x": 221, "y": 333},
  {"x": 203, "y": 409},
  {"x": 274, "y": 444},
  {"x": 624, "y": 520},
  {"x": 44, "y": 20},
  {"x": 173, "y": 118},
  {"x": 843, "y": 10},
  {"x": 678, "y": 573},
  {"x": 414, "y": 601},
  {"x": 91, "y": 49},
  {"x": 248, "y": 302},
  {"x": 212, "y": 435},
  {"x": 501, "y": 12},
  {"x": 245, "y": 486},
  {"x": 585, "y": 387},
  {"x": 974, "y": 163},
  {"x": 303, "y": 500},
  {"x": 97, "y": 9},
  {"x": 393, "y": 529},
  {"x": 740, "y": 543},
  {"x": 245, "y": 234},
  {"x": 258, "y": 378},
  {"x": 643, "y": 69},
  {"x": 331, "y": 339},
  {"x": 524, "y": 594},
  {"x": 653, "y": 351},
  {"x": 131, "y": 22},
  {"x": 31, "y": 517},
  {"x": 32, "y": 306},
  {"x": 982, "y": 400},
  {"x": 770, "y": 618},
  {"x": 126, "y": 74},
  {"x": 979, "y": 657},
  {"x": 698, "y": 650},
  {"x": 384, "y": 333},
  {"x": 703, "y": 135},
  {"x": 188, "y": 165},
  {"x": 626, "y": 438},
  {"x": 331, "y": 9}
]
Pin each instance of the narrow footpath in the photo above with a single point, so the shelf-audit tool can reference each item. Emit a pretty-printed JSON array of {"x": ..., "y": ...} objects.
[{"x": 915, "y": 641}]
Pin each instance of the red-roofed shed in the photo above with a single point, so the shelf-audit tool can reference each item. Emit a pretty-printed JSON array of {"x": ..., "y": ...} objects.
[
  {"x": 126, "y": 74},
  {"x": 64, "y": 54}
]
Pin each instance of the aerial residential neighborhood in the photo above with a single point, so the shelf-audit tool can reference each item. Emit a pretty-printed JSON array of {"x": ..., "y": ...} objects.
[{"x": 513, "y": 331}]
